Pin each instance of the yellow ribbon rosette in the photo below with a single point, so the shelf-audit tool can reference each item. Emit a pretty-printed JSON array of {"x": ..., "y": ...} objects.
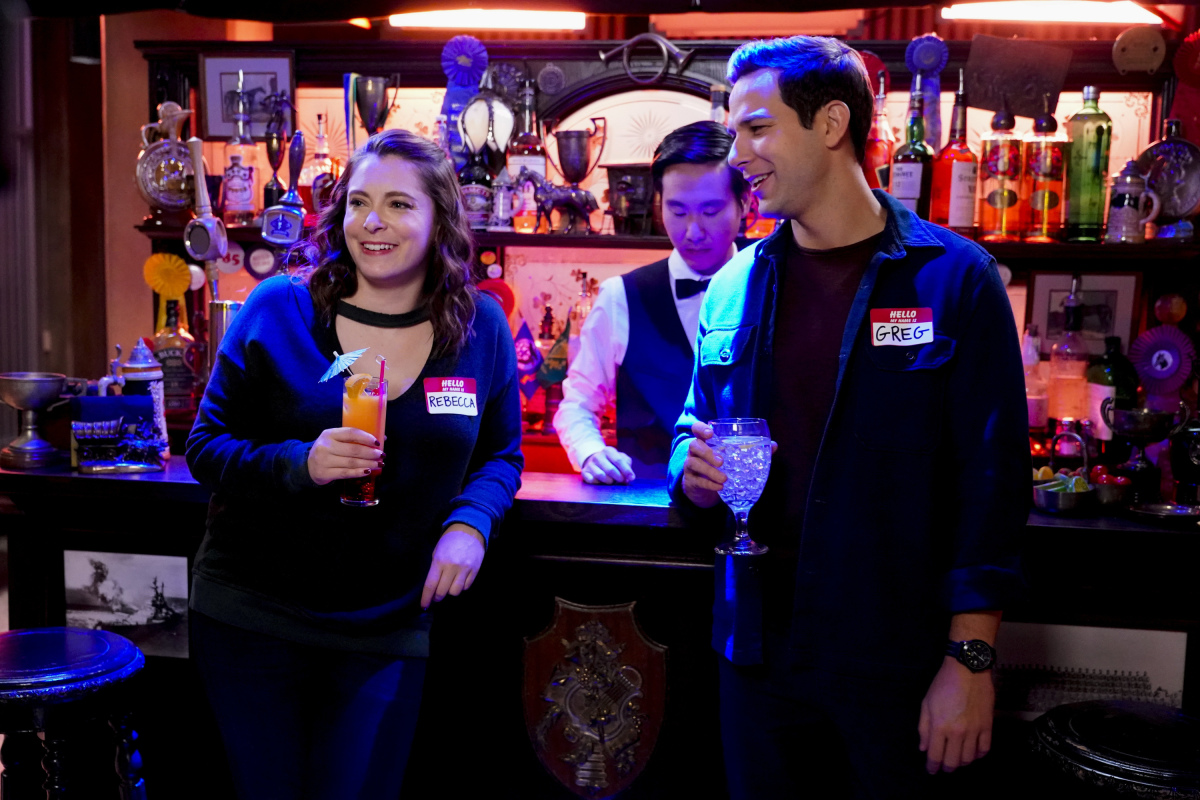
[{"x": 168, "y": 275}]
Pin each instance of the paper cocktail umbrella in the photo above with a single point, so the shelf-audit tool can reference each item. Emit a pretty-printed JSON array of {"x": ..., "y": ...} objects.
[
  {"x": 341, "y": 363},
  {"x": 168, "y": 275}
]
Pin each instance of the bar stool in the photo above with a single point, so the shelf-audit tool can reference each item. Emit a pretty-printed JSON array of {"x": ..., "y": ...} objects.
[
  {"x": 55, "y": 680},
  {"x": 1123, "y": 748}
]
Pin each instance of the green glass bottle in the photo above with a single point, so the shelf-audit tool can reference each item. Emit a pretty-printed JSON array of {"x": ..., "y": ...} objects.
[
  {"x": 1087, "y": 171},
  {"x": 1110, "y": 375},
  {"x": 912, "y": 165}
]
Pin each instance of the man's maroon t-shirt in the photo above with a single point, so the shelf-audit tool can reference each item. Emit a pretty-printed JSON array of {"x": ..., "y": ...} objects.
[{"x": 816, "y": 291}]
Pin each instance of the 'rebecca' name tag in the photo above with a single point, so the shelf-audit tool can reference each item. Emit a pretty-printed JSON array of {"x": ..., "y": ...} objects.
[
  {"x": 451, "y": 396},
  {"x": 901, "y": 327}
]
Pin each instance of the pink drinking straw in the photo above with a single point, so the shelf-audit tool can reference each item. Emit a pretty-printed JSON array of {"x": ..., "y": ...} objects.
[{"x": 382, "y": 377}]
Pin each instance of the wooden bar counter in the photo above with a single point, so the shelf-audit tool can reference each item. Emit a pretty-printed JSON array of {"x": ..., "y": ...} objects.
[{"x": 587, "y": 544}]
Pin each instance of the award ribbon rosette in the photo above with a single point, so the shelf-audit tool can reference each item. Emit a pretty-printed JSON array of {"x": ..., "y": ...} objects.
[{"x": 169, "y": 276}]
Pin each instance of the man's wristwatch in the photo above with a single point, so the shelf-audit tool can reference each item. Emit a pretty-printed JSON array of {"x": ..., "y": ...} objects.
[{"x": 975, "y": 654}]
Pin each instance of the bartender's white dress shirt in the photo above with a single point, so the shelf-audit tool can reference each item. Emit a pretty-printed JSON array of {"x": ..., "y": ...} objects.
[{"x": 591, "y": 383}]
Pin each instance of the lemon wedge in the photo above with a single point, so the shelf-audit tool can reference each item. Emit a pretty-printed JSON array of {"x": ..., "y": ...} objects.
[{"x": 355, "y": 385}]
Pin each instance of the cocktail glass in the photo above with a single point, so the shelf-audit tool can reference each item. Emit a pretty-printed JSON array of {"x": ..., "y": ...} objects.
[
  {"x": 364, "y": 406},
  {"x": 744, "y": 444}
]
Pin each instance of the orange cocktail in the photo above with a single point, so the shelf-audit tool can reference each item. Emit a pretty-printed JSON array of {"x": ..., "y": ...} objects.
[{"x": 364, "y": 406}]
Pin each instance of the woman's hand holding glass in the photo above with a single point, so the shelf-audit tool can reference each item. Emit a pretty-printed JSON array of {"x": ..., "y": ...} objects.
[{"x": 340, "y": 453}]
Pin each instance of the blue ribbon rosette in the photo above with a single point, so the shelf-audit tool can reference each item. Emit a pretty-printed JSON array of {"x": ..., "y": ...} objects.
[{"x": 928, "y": 56}]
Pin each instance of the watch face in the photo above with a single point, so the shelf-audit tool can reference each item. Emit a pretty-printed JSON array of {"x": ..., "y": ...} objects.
[{"x": 976, "y": 655}]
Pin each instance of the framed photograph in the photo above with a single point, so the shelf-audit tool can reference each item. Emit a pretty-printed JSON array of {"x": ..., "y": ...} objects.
[
  {"x": 1108, "y": 302},
  {"x": 263, "y": 74},
  {"x": 141, "y": 597}
]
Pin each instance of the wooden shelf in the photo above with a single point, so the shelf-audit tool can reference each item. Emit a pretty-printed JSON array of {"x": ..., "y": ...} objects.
[{"x": 1061, "y": 256}]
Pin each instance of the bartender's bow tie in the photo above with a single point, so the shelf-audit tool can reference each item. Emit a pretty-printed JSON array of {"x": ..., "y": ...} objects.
[{"x": 687, "y": 287}]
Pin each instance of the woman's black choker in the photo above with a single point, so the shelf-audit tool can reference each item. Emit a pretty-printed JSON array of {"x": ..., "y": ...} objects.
[{"x": 377, "y": 320}]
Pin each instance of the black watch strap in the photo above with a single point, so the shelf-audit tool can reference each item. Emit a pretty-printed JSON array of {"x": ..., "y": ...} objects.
[{"x": 974, "y": 654}]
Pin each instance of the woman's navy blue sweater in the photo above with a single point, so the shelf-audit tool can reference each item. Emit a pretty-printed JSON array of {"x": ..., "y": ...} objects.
[{"x": 281, "y": 555}]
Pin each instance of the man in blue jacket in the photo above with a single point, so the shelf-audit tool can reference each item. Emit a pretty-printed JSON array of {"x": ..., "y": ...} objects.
[{"x": 882, "y": 350}]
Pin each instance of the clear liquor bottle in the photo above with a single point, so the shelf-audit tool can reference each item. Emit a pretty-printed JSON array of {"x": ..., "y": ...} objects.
[
  {"x": 912, "y": 165},
  {"x": 1090, "y": 130},
  {"x": 956, "y": 174},
  {"x": 172, "y": 347},
  {"x": 1069, "y": 362},
  {"x": 239, "y": 189},
  {"x": 1046, "y": 155},
  {"x": 526, "y": 149},
  {"x": 1000, "y": 181},
  {"x": 315, "y": 190},
  {"x": 877, "y": 161}
]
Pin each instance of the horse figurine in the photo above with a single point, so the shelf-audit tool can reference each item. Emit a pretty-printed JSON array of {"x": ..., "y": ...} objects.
[{"x": 576, "y": 203}]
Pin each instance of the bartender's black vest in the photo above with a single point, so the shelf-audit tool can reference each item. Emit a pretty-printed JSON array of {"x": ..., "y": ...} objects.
[{"x": 654, "y": 379}]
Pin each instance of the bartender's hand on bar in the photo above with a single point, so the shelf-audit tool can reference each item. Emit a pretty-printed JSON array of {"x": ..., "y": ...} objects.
[
  {"x": 340, "y": 453},
  {"x": 608, "y": 466},
  {"x": 702, "y": 479},
  {"x": 456, "y": 561}
]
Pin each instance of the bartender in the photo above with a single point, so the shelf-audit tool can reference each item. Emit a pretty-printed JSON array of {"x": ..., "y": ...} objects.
[{"x": 655, "y": 308}]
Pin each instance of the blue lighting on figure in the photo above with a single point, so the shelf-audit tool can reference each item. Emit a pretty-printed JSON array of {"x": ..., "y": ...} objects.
[{"x": 281, "y": 225}]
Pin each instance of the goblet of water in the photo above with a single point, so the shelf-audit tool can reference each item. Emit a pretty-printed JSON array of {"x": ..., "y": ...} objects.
[{"x": 744, "y": 445}]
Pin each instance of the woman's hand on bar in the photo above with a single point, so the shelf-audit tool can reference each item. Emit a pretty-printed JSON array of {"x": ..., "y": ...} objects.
[
  {"x": 702, "y": 480},
  {"x": 340, "y": 453},
  {"x": 608, "y": 466},
  {"x": 456, "y": 562}
]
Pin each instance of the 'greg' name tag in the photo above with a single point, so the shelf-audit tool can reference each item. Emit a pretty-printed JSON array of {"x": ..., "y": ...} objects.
[
  {"x": 901, "y": 327},
  {"x": 451, "y": 396}
]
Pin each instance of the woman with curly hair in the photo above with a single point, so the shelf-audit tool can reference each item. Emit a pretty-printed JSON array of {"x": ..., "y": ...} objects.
[{"x": 311, "y": 620}]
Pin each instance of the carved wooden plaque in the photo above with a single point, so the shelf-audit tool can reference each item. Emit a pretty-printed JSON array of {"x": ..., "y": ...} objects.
[{"x": 594, "y": 695}]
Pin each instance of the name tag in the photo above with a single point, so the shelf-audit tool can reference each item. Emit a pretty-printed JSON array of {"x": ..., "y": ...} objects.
[
  {"x": 901, "y": 327},
  {"x": 451, "y": 396}
]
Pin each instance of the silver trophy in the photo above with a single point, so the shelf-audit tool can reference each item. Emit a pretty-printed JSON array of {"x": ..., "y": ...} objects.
[
  {"x": 284, "y": 224},
  {"x": 30, "y": 393},
  {"x": 370, "y": 96},
  {"x": 575, "y": 163}
]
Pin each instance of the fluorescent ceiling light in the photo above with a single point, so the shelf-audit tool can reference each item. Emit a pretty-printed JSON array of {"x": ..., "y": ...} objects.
[
  {"x": 493, "y": 18},
  {"x": 1083, "y": 12}
]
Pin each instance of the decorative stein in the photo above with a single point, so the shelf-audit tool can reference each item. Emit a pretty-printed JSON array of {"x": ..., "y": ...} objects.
[
  {"x": 1127, "y": 216},
  {"x": 144, "y": 376},
  {"x": 164, "y": 167}
]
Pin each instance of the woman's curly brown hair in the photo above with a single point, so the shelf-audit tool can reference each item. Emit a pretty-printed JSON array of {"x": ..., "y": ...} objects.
[{"x": 449, "y": 289}]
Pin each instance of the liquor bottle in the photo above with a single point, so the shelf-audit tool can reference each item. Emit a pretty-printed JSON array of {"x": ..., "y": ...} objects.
[
  {"x": 315, "y": 188},
  {"x": 877, "y": 163},
  {"x": 1045, "y": 157},
  {"x": 1068, "y": 363},
  {"x": 1090, "y": 130},
  {"x": 912, "y": 165},
  {"x": 238, "y": 188},
  {"x": 526, "y": 149},
  {"x": 476, "y": 183},
  {"x": 172, "y": 344},
  {"x": 1112, "y": 375},
  {"x": 1000, "y": 180},
  {"x": 719, "y": 97},
  {"x": 1036, "y": 396},
  {"x": 955, "y": 174}
]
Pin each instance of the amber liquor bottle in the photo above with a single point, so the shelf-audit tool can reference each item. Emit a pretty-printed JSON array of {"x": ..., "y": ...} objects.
[
  {"x": 1046, "y": 156},
  {"x": 912, "y": 165},
  {"x": 175, "y": 349},
  {"x": 956, "y": 174},
  {"x": 877, "y": 162},
  {"x": 1000, "y": 165},
  {"x": 526, "y": 149}
]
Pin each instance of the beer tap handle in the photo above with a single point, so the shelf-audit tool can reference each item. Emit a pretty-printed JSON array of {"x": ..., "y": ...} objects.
[
  {"x": 296, "y": 152},
  {"x": 203, "y": 202}
]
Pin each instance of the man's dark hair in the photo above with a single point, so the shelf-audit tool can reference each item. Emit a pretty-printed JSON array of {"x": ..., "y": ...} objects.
[
  {"x": 813, "y": 71},
  {"x": 704, "y": 142}
]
